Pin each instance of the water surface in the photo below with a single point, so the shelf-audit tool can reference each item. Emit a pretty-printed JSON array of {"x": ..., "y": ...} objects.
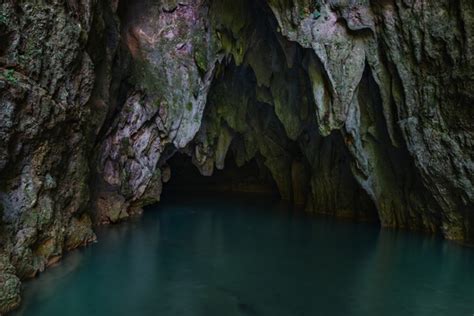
[{"x": 247, "y": 255}]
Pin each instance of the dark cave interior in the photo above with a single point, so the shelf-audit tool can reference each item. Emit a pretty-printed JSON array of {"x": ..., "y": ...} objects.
[{"x": 252, "y": 177}]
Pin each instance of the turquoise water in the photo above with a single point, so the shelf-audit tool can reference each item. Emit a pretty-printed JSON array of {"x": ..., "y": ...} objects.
[{"x": 250, "y": 256}]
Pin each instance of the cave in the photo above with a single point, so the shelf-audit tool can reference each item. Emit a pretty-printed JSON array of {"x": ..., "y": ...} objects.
[
  {"x": 239, "y": 154},
  {"x": 245, "y": 102},
  {"x": 252, "y": 177}
]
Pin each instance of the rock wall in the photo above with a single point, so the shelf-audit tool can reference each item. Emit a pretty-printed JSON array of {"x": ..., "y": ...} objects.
[
  {"x": 46, "y": 79},
  {"x": 418, "y": 54},
  {"x": 359, "y": 109},
  {"x": 171, "y": 65}
]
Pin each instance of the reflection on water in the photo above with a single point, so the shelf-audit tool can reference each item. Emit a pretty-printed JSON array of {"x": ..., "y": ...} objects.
[{"x": 250, "y": 256}]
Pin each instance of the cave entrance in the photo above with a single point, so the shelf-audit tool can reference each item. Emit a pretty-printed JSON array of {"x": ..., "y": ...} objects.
[
  {"x": 262, "y": 94},
  {"x": 252, "y": 177}
]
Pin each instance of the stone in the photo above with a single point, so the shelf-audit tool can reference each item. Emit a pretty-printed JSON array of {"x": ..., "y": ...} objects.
[
  {"x": 9, "y": 285},
  {"x": 355, "y": 109}
]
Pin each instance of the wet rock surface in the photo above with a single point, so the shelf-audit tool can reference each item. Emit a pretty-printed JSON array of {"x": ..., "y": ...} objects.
[{"x": 359, "y": 109}]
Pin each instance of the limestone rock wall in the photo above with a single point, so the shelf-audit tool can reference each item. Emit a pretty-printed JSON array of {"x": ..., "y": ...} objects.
[
  {"x": 359, "y": 109},
  {"x": 46, "y": 79},
  {"x": 171, "y": 59},
  {"x": 418, "y": 54}
]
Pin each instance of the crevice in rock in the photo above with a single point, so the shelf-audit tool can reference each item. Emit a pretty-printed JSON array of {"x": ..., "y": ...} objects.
[{"x": 392, "y": 175}]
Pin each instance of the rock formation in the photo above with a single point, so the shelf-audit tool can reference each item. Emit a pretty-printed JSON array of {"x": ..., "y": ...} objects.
[{"x": 359, "y": 109}]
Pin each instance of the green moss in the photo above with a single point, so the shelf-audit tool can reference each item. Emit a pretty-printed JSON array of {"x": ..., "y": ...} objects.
[
  {"x": 189, "y": 106},
  {"x": 3, "y": 19},
  {"x": 9, "y": 75},
  {"x": 201, "y": 60},
  {"x": 29, "y": 219},
  {"x": 143, "y": 75}
]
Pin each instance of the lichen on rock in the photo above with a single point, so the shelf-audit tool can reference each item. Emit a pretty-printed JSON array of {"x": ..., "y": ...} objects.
[{"x": 356, "y": 109}]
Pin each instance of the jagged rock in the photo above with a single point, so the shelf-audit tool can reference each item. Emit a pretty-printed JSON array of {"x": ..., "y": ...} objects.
[
  {"x": 359, "y": 109},
  {"x": 166, "y": 173},
  {"x": 46, "y": 79},
  {"x": 9, "y": 285},
  {"x": 172, "y": 64},
  {"x": 347, "y": 41},
  {"x": 79, "y": 233}
]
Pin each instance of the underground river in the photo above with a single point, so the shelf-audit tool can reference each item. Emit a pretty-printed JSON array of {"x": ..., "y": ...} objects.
[{"x": 251, "y": 255}]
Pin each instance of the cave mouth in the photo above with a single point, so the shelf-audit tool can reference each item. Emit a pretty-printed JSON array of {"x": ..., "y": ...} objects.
[
  {"x": 252, "y": 177},
  {"x": 261, "y": 99},
  {"x": 263, "y": 90}
]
